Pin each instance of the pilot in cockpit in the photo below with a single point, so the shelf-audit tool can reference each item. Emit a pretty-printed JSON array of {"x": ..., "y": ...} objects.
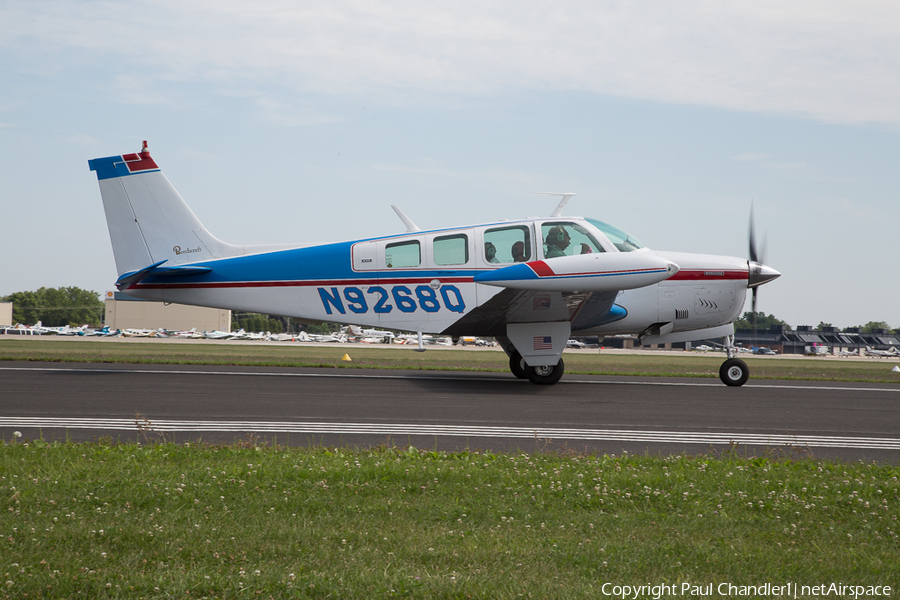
[{"x": 557, "y": 241}]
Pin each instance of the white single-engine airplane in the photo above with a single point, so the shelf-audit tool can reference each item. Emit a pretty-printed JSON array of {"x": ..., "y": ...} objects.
[{"x": 530, "y": 283}]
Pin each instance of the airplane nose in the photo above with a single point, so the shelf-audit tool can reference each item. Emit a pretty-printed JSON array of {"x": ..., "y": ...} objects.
[{"x": 760, "y": 274}]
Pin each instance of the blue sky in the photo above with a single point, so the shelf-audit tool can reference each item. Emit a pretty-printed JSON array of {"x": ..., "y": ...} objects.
[{"x": 303, "y": 122}]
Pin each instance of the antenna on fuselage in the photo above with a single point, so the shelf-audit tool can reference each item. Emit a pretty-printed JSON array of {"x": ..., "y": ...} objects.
[
  {"x": 562, "y": 203},
  {"x": 410, "y": 226}
]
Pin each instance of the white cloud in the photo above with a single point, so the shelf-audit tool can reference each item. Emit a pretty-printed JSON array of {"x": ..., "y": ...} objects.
[{"x": 829, "y": 60}]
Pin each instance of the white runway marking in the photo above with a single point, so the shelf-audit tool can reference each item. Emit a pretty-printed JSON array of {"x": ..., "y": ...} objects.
[
  {"x": 466, "y": 431},
  {"x": 454, "y": 376}
]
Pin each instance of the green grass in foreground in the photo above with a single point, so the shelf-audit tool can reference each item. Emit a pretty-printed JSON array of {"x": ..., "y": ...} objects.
[
  {"x": 192, "y": 521},
  {"x": 439, "y": 359}
]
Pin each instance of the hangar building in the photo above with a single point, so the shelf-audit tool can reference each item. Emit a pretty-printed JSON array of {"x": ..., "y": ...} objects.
[{"x": 124, "y": 312}]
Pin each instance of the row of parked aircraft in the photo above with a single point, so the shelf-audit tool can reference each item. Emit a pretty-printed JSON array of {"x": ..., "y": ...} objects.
[
  {"x": 39, "y": 329},
  {"x": 346, "y": 334},
  {"x": 894, "y": 352}
]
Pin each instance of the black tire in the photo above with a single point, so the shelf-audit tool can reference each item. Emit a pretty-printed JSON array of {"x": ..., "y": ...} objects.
[
  {"x": 546, "y": 375},
  {"x": 517, "y": 365},
  {"x": 734, "y": 372}
]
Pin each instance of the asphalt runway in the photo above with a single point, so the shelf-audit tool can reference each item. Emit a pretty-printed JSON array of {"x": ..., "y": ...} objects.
[{"x": 448, "y": 411}]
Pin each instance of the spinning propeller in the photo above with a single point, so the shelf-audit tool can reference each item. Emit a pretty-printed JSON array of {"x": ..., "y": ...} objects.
[{"x": 759, "y": 272}]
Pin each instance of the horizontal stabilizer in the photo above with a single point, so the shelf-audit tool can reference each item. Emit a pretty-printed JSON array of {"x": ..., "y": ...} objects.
[{"x": 157, "y": 270}]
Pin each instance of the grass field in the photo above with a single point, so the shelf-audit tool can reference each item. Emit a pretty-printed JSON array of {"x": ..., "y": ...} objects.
[
  {"x": 647, "y": 364},
  {"x": 184, "y": 521},
  {"x": 160, "y": 520}
]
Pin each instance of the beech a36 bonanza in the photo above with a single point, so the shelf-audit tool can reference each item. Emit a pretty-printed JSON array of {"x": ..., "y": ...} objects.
[{"x": 529, "y": 283}]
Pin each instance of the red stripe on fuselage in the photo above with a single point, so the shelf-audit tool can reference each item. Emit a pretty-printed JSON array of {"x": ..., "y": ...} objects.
[
  {"x": 541, "y": 269},
  {"x": 712, "y": 275}
]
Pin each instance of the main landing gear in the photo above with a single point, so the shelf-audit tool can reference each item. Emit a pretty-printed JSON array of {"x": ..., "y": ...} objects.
[
  {"x": 541, "y": 375},
  {"x": 733, "y": 372}
]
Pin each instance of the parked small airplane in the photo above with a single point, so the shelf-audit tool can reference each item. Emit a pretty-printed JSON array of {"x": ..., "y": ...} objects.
[
  {"x": 67, "y": 330},
  {"x": 217, "y": 335},
  {"x": 136, "y": 332},
  {"x": 529, "y": 283},
  {"x": 41, "y": 329},
  {"x": 186, "y": 334},
  {"x": 378, "y": 335},
  {"x": 882, "y": 353},
  {"x": 328, "y": 338}
]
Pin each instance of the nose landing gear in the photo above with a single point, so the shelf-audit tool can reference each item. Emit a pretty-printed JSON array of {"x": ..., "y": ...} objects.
[{"x": 734, "y": 372}]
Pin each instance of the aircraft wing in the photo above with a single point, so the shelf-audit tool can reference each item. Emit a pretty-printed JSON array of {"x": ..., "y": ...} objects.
[
  {"x": 583, "y": 309},
  {"x": 579, "y": 289},
  {"x": 599, "y": 272}
]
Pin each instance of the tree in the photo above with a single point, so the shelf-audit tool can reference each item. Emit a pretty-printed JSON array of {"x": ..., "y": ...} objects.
[
  {"x": 56, "y": 307},
  {"x": 256, "y": 322},
  {"x": 870, "y": 327},
  {"x": 822, "y": 325},
  {"x": 873, "y": 325},
  {"x": 323, "y": 327},
  {"x": 763, "y": 321}
]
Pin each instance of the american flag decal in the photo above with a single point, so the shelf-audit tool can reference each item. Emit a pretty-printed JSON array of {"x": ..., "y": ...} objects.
[{"x": 543, "y": 342}]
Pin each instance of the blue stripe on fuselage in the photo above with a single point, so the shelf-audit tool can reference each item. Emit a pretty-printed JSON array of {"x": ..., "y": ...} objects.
[
  {"x": 297, "y": 266},
  {"x": 518, "y": 272}
]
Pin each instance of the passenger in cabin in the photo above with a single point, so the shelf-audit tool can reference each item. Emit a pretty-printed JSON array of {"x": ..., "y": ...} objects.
[
  {"x": 518, "y": 252},
  {"x": 557, "y": 241},
  {"x": 490, "y": 252}
]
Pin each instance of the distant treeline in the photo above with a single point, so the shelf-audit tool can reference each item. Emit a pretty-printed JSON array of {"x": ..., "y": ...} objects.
[
  {"x": 762, "y": 321},
  {"x": 256, "y": 322},
  {"x": 55, "y": 307}
]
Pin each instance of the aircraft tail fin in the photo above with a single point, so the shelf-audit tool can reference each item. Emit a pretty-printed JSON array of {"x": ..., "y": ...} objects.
[{"x": 149, "y": 222}]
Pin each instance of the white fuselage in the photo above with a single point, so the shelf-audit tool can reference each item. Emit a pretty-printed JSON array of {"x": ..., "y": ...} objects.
[{"x": 358, "y": 282}]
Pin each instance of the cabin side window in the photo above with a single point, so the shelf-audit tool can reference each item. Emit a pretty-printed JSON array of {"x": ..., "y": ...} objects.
[
  {"x": 451, "y": 250},
  {"x": 507, "y": 244},
  {"x": 402, "y": 254},
  {"x": 567, "y": 239}
]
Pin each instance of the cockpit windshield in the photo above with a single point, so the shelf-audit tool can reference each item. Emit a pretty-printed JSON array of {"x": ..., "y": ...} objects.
[{"x": 623, "y": 241}]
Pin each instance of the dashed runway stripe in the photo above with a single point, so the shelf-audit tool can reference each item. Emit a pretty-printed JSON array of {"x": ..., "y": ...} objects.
[{"x": 465, "y": 431}]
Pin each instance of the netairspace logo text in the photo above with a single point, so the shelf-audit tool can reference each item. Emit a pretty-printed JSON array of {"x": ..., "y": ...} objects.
[{"x": 730, "y": 590}]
